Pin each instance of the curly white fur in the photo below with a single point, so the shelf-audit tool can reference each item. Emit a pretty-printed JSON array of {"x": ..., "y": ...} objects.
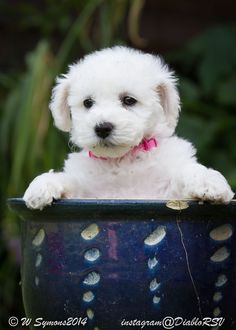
[{"x": 169, "y": 171}]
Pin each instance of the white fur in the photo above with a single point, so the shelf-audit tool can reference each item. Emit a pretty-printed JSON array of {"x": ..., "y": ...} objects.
[{"x": 169, "y": 171}]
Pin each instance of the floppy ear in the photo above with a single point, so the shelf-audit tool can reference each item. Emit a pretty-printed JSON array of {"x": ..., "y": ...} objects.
[
  {"x": 59, "y": 104},
  {"x": 169, "y": 99}
]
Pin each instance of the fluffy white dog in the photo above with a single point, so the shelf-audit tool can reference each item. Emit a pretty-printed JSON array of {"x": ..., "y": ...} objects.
[{"x": 121, "y": 107}]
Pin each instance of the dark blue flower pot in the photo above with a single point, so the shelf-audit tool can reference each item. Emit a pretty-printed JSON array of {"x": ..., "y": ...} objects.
[{"x": 114, "y": 261}]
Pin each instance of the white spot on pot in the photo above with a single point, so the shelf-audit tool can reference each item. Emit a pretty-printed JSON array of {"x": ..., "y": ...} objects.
[
  {"x": 222, "y": 233},
  {"x": 92, "y": 278},
  {"x": 36, "y": 280},
  {"x": 88, "y": 296},
  {"x": 154, "y": 285},
  {"x": 90, "y": 232},
  {"x": 221, "y": 280},
  {"x": 65, "y": 306},
  {"x": 156, "y": 236},
  {"x": 152, "y": 263},
  {"x": 217, "y": 296},
  {"x": 92, "y": 254},
  {"x": 38, "y": 260},
  {"x": 216, "y": 312},
  {"x": 220, "y": 255},
  {"x": 39, "y": 238},
  {"x": 177, "y": 205},
  {"x": 90, "y": 313},
  {"x": 156, "y": 300}
]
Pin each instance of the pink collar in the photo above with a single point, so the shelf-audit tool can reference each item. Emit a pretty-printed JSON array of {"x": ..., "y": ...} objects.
[{"x": 145, "y": 145}]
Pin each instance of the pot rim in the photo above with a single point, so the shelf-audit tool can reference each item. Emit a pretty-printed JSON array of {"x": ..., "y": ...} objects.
[{"x": 122, "y": 209}]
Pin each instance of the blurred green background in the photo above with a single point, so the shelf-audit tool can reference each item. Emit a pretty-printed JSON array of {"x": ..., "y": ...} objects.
[{"x": 40, "y": 38}]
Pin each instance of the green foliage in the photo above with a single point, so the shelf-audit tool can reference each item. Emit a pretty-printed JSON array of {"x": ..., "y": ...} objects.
[
  {"x": 28, "y": 141},
  {"x": 207, "y": 72}
]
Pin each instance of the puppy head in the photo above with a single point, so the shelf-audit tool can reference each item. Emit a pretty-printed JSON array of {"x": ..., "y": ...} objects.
[{"x": 114, "y": 98}]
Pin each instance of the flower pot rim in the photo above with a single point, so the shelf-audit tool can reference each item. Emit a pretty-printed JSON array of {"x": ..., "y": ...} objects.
[{"x": 121, "y": 209}]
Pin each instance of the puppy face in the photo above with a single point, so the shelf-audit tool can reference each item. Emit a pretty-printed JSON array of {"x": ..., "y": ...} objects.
[{"x": 113, "y": 99}]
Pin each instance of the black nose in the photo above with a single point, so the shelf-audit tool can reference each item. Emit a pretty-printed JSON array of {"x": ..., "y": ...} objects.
[{"x": 103, "y": 130}]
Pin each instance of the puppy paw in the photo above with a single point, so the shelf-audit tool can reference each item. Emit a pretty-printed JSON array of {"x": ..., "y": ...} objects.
[
  {"x": 208, "y": 185},
  {"x": 42, "y": 190}
]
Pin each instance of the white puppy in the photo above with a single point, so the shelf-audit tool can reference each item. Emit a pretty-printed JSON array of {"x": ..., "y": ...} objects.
[{"x": 121, "y": 107}]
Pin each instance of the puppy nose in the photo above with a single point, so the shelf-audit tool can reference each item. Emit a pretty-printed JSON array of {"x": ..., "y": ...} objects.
[{"x": 103, "y": 130}]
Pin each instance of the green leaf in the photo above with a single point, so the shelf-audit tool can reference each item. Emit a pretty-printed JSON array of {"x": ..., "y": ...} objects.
[
  {"x": 226, "y": 94},
  {"x": 189, "y": 91}
]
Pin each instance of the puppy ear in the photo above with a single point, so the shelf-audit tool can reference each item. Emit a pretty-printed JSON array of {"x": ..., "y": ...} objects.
[
  {"x": 59, "y": 104},
  {"x": 169, "y": 99}
]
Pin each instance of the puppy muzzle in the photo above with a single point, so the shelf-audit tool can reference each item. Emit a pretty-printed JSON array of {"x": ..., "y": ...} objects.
[{"x": 103, "y": 130}]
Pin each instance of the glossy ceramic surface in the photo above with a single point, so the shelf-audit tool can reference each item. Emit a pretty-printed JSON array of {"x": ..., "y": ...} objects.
[{"x": 115, "y": 260}]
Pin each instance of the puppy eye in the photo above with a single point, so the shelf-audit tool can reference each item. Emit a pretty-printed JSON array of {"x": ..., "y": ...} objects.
[
  {"x": 128, "y": 100},
  {"x": 88, "y": 103}
]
